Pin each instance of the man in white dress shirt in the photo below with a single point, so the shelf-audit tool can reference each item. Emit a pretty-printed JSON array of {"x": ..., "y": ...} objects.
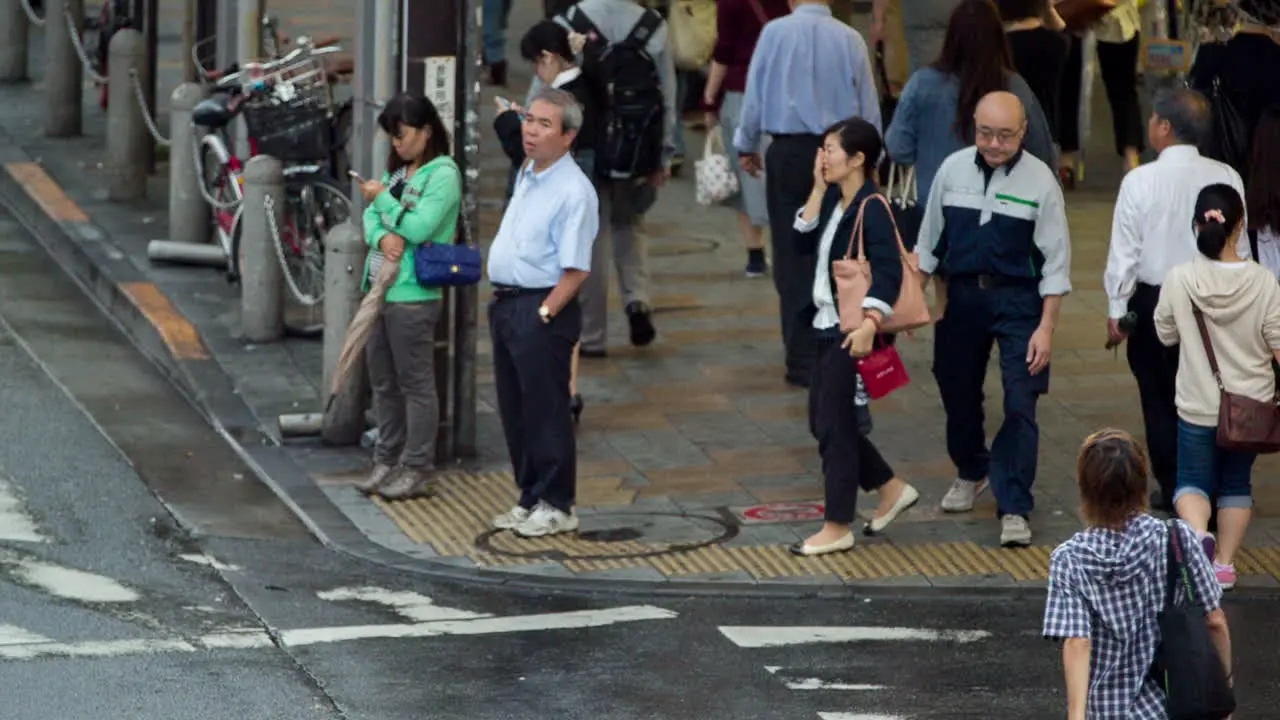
[{"x": 1150, "y": 234}]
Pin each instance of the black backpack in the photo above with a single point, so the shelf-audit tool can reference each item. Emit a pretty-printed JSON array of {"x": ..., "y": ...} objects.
[
  {"x": 1187, "y": 664},
  {"x": 631, "y": 145}
]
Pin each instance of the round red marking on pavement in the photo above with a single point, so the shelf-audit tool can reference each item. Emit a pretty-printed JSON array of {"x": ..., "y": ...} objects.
[{"x": 785, "y": 512}]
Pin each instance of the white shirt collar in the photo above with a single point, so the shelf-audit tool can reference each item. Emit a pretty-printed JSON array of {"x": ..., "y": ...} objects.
[
  {"x": 566, "y": 77},
  {"x": 1179, "y": 152}
]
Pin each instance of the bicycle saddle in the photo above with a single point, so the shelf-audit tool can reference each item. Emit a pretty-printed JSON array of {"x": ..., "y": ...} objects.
[{"x": 213, "y": 112}]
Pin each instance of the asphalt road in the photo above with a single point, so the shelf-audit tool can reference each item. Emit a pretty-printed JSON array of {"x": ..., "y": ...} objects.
[{"x": 144, "y": 574}]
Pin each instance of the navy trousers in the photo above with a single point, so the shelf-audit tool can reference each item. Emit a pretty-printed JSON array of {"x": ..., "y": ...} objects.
[
  {"x": 531, "y": 365},
  {"x": 978, "y": 316}
]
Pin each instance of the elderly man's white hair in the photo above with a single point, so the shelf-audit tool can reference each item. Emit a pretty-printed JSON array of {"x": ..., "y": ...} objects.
[{"x": 570, "y": 110}]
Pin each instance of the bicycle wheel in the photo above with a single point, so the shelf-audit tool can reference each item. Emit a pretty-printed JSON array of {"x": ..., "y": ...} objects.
[
  {"x": 223, "y": 187},
  {"x": 313, "y": 206}
]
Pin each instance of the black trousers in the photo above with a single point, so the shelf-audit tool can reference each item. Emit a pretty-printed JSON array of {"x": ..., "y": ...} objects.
[
  {"x": 1117, "y": 63},
  {"x": 531, "y": 364},
  {"x": 849, "y": 459},
  {"x": 788, "y": 182},
  {"x": 1155, "y": 367}
]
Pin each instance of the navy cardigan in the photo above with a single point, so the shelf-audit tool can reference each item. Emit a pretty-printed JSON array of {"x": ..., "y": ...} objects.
[{"x": 878, "y": 241}]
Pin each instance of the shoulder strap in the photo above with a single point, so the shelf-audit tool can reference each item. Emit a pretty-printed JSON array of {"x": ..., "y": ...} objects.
[
  {"x": 857, "y": 228},
  {"x": 759, "y": 11},
  {"x": 1208, "y": 345},
  {"x": 580, "y": 23},
  {"x": 1253, "y": 244},
  {"x": 644, "y": 29},
  {"x": 1171, "y": 563}
]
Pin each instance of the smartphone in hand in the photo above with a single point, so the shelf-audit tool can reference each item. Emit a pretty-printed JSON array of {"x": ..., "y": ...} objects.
[{"x": 356, "y": 176}]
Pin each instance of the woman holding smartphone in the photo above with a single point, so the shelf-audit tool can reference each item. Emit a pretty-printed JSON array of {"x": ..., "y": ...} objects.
[
  {"x": 416, "y": 202},
  {"x": 552, "y": 49}
]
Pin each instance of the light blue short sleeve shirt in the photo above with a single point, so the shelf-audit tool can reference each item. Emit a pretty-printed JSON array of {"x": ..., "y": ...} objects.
[{"x": 549, "y": 227}]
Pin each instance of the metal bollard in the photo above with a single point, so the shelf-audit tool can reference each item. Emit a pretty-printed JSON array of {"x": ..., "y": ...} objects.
[
  {"x": 14, "y": 31},
  {"x": 345, "y": 253},
  {"x": 188, "y": 212},
  {"x": 130, "y": 143},
  {"x": 261, "y": 277},
  {"x": 63, "y": 71}
]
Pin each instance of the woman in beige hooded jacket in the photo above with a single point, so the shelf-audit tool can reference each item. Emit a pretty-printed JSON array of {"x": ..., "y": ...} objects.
[{"x": 1240, "y": 302}]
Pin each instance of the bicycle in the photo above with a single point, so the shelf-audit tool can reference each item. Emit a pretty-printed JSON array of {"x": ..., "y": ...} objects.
[{"x": 287, "y": 105}]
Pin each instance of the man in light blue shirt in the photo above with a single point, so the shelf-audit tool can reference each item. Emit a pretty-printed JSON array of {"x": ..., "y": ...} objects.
[
  {"x": 537, "y": 263},
  {"x": 808, "y": 72}
]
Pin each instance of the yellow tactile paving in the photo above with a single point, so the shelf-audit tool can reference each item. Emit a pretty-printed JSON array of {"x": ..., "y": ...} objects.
[{"x": 452, "y": 522}]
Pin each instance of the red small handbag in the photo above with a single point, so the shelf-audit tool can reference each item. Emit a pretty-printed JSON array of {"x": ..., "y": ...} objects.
[{"x": 882, "y": 371}]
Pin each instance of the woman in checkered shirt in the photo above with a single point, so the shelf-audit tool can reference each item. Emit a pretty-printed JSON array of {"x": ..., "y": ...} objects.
[{"x": 1107, "y": 583}]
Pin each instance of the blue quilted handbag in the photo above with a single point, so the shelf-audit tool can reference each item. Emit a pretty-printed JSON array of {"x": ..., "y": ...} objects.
[{"x": 447, "y": 265}]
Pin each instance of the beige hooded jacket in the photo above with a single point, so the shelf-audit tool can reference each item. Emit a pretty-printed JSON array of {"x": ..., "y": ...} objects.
[{"x": 1241, "y": 306}]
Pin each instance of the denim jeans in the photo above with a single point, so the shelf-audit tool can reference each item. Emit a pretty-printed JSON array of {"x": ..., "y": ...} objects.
[
  {"x": 495, "y": 29},
  {"x": 1209, "y": 471}
]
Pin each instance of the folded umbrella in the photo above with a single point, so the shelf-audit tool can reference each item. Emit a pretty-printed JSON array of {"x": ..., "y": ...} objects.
[{"x": 344, "y": 411}]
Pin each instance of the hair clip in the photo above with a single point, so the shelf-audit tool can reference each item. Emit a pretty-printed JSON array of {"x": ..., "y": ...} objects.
[{"x": 1214, "y": 214}]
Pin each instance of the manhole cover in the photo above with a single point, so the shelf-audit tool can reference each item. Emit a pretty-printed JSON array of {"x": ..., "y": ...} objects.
[{"x": 637, "y": 535}]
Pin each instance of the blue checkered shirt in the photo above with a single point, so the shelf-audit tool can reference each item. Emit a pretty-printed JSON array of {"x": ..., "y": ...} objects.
[{"x": 1108, "y": 586}]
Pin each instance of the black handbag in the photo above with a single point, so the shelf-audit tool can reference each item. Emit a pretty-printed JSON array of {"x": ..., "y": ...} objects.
[
  {"x": 1229, "y": 138},
  {"x": 1187, "y": 664}
]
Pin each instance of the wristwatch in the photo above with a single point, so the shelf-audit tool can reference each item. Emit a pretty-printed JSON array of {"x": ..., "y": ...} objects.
[{"x": 544, "y": 312}]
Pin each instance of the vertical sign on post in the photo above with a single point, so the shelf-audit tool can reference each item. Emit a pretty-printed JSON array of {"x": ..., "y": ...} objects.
[{"x": 441, "y": 80}]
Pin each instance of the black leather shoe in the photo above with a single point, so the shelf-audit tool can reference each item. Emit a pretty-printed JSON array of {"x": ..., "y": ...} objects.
[
  {"x": 575, "y": 408},
  {"x": 642, "y": 331}
]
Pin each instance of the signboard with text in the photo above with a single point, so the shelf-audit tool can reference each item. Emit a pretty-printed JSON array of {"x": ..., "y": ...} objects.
[{"x": 780, "y": 512}]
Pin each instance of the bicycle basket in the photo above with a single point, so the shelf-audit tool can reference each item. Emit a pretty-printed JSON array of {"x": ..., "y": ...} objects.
[{"x": 290, "y": 132}]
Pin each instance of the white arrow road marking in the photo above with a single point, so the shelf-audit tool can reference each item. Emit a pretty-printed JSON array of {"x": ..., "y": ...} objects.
[
  {"x": 820, "y": 684},
  {"x": 70, "y": 583},
  {"x": 411, "y": 605},
  {"x": 858, "y": 716},
  {"x": 765, "y": 636},
  {"x": 15, "y": 524},
  {"x": 30, "y": 646}
]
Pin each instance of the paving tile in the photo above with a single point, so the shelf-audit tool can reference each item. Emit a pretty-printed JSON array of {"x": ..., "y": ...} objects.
[
  {"x": 706, "y": 501},
  {"x": 769, "y": 534},
  {"x": 724, "y": 430},
  {"x": 657, "y": 449}
]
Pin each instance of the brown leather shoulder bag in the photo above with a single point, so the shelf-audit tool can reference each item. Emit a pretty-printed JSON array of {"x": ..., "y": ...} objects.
[{"x": 1244, "y": 424}]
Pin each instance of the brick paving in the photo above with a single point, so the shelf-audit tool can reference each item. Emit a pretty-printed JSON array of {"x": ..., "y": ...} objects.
[{"x": 700, "y": 422}]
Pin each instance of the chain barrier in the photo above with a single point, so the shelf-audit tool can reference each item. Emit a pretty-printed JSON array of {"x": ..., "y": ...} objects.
[
  {"x": 31, "y": 14},
  {"x": 141, "y": 97},
  {"x": 269, "y": 205},
  {"x": 216, "y": 204},
  {"x": 78, "y": 43}
]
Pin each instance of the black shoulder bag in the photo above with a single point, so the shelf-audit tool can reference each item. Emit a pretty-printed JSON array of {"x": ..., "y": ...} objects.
[{"x": 1187, "y": 664}]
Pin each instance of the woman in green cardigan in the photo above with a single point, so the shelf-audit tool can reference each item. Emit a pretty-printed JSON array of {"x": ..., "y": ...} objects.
[{"x": 416, "y": 202}]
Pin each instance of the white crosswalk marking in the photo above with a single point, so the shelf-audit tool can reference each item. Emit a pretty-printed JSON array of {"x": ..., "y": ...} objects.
[
  {"x": 16, "y": 524},
  {"x": 70, "y": 583},
  {"x": 858, "y": 716},
  {"x": 411, "y": 605},
  {"x": 765, "y": 636}
]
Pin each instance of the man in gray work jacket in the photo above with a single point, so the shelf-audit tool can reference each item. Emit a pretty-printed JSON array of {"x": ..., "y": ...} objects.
[{"x": 995, "y": 236}]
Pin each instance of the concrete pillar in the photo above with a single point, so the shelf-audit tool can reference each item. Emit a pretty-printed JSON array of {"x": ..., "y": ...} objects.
[
  {"x": 345, "y": 252},
  {"x": 188, "y": 212},
  {"x": 64, "y": 73},
  {"x": 14, "y": 29},
  {"x": 129, "y": 142},
  {"x": 261, "y": 277}
]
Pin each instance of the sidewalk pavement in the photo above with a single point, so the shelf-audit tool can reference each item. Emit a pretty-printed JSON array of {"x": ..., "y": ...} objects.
[{"x": 696, "y": 468}]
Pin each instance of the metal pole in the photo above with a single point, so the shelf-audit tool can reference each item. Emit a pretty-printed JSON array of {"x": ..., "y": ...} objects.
[
  {"x": 261, "y": 278},
  {"x": 14, "y": 30},
  {"x": 126, "y": 161},
  {"x": 64, "y": 73},
  {"x": 467, "y": 301},
  {"x": 376, "y": 79},
  {"x": 248, "y": 47},
  {"x": 429, "y": 63},
  {"x": 188, "y": 212},
  {"x": 189, "y": 41},
  {"x": 150, "y": 21},
  {"x": 385, "y": 76},
  {"x": 226, "y": 29},
  {"x": 187, "y": 253},
  {"x": 345, "y": 253}
]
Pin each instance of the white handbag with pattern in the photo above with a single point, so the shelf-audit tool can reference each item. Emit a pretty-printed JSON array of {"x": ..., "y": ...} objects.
[{"x": 714, "y": 175}]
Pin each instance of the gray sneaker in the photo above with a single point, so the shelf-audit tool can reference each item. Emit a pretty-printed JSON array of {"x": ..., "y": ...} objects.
[
  {"x": 407, "y": 484},
  {"x": 962, "y": 494},
  {"x": 1015, "y": 531},
  {"x": 379, "y": 477}
]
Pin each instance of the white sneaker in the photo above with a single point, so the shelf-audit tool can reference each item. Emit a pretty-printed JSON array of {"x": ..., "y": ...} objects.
[
  {"x": 546, "y": 520},
  {"x": 1015, "y": 531},
  {"x": 962, "y": 494},
  {"x": 511, "y": 519}
]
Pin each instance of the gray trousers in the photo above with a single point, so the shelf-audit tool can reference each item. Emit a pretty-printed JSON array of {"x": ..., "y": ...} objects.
[
  {"x": 630, "y": 254},
  {"x": 400, "y": 355}
]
